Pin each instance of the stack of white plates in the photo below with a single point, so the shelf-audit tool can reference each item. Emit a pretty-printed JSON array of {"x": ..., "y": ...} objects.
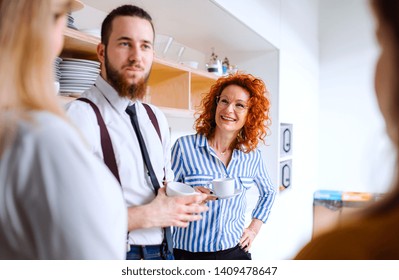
[
  {"x": 71, "y": 22},
  {"x": 77, "y": 75},
  {"x": 57, "y": 71}
]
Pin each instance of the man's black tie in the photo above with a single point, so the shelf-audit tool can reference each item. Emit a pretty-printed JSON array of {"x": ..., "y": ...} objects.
[{"x": 131, "y": 110}]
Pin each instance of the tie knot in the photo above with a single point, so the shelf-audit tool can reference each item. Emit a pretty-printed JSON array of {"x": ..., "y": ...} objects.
[{"x": 131, "y": 110}]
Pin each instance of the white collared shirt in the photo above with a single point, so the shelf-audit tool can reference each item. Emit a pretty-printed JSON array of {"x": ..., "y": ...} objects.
[
  {"x": 57, "y": 201},
  {"x": 136, "y": 184}
]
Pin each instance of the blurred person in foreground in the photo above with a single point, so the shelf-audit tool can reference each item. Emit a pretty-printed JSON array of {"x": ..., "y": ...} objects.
[
  {"x": 57, "y": 201},
  {"x": 234, "y": 117},
  {"x": 373, "y": 235}
]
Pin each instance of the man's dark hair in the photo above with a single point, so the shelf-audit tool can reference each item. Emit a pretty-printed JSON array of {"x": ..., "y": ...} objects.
[{"x": 125, "y": 10}]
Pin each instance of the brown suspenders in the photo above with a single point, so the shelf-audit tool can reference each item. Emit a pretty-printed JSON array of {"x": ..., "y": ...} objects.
[
  {"x": 106, "y": 144},
  {"x": 110, "y": 162}
]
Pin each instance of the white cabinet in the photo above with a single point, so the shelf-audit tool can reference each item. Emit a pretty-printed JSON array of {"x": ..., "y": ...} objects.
[{"x": 171, "y": 85}]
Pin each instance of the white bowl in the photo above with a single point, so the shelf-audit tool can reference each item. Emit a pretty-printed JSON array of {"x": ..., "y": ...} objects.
[
  {"x": 191, "y": 64},
  {"x": 162, "y": 44},
  {"x": 96, "y": 32},
  {"x": 179, "y": 189}
]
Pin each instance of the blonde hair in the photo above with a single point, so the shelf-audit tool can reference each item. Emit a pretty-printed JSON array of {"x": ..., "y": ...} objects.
[{"x": 26, "y": 66}]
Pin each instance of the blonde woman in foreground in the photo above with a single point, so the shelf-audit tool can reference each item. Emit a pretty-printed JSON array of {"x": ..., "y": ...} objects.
[{"x": 56, "y": 200}]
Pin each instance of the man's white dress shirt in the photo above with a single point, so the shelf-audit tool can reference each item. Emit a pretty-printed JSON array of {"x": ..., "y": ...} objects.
[{"x": 136, "y": 184}]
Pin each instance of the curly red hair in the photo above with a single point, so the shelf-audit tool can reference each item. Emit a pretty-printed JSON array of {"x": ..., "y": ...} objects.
[{"x": 258, "y": 121}]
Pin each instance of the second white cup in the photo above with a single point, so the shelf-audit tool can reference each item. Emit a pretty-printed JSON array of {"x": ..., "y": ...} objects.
[
  {"x": 179, "y": 189},
  {"x": 223, "y": 186}
]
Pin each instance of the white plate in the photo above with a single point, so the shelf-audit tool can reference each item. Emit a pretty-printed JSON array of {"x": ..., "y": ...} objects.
[
  {"x": 78, "y": 72},
  {"x": 76, "y": 80},
  {"x": 78, "y": 69},
  {"x": 72, "y": 89},
  {"x": 236, "y": 192},
  {"x": 74, "y": 86},
  {"x": 76, "y": 61},
  {"x": 93, "y": 76}
]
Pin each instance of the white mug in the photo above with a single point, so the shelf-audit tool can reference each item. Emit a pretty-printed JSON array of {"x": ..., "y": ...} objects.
[
  {"x": 179, "y": 189},
  {"x": 223, "y": 186}
]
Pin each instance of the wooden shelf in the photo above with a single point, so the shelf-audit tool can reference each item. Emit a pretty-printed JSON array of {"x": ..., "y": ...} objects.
[
  {"x": 79, "y": 45},
  {"x": 171, "y": 85},
  {"x": 176, "y": 86}
]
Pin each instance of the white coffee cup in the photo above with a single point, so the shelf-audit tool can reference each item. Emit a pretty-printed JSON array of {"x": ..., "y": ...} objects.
[
  {"x": 179, "y": 189},
  {"x": 223, "y": 186}
]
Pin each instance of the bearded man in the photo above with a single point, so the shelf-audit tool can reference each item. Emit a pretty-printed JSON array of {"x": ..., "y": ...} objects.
[{"x": 110, "y": 107}]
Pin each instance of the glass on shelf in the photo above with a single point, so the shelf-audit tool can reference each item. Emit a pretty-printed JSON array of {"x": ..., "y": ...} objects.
[
  {"x": 225, "y": 65},
  {"x": 214, "y": 65},
  {"x": 162, "y": 44},
  {"x": 232, "y": 69}
]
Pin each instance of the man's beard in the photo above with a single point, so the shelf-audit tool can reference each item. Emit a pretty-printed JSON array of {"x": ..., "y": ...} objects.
[{"x": 124, "y": 89}]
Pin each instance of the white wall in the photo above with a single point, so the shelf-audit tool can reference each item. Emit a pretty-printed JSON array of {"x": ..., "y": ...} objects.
[
  {"x": 293, "y": 28},
  {"x": 327, "y": 56},
  {"x": 354, "y": 151},
  {"x": 266, "y": 66}
]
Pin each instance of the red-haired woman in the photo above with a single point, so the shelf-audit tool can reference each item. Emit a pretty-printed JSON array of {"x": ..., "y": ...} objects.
[{"x": 233, "y": 118}]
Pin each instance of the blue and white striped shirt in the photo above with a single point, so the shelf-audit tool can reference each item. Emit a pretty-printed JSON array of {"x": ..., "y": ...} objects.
[{"x": 196, "y": 163}]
